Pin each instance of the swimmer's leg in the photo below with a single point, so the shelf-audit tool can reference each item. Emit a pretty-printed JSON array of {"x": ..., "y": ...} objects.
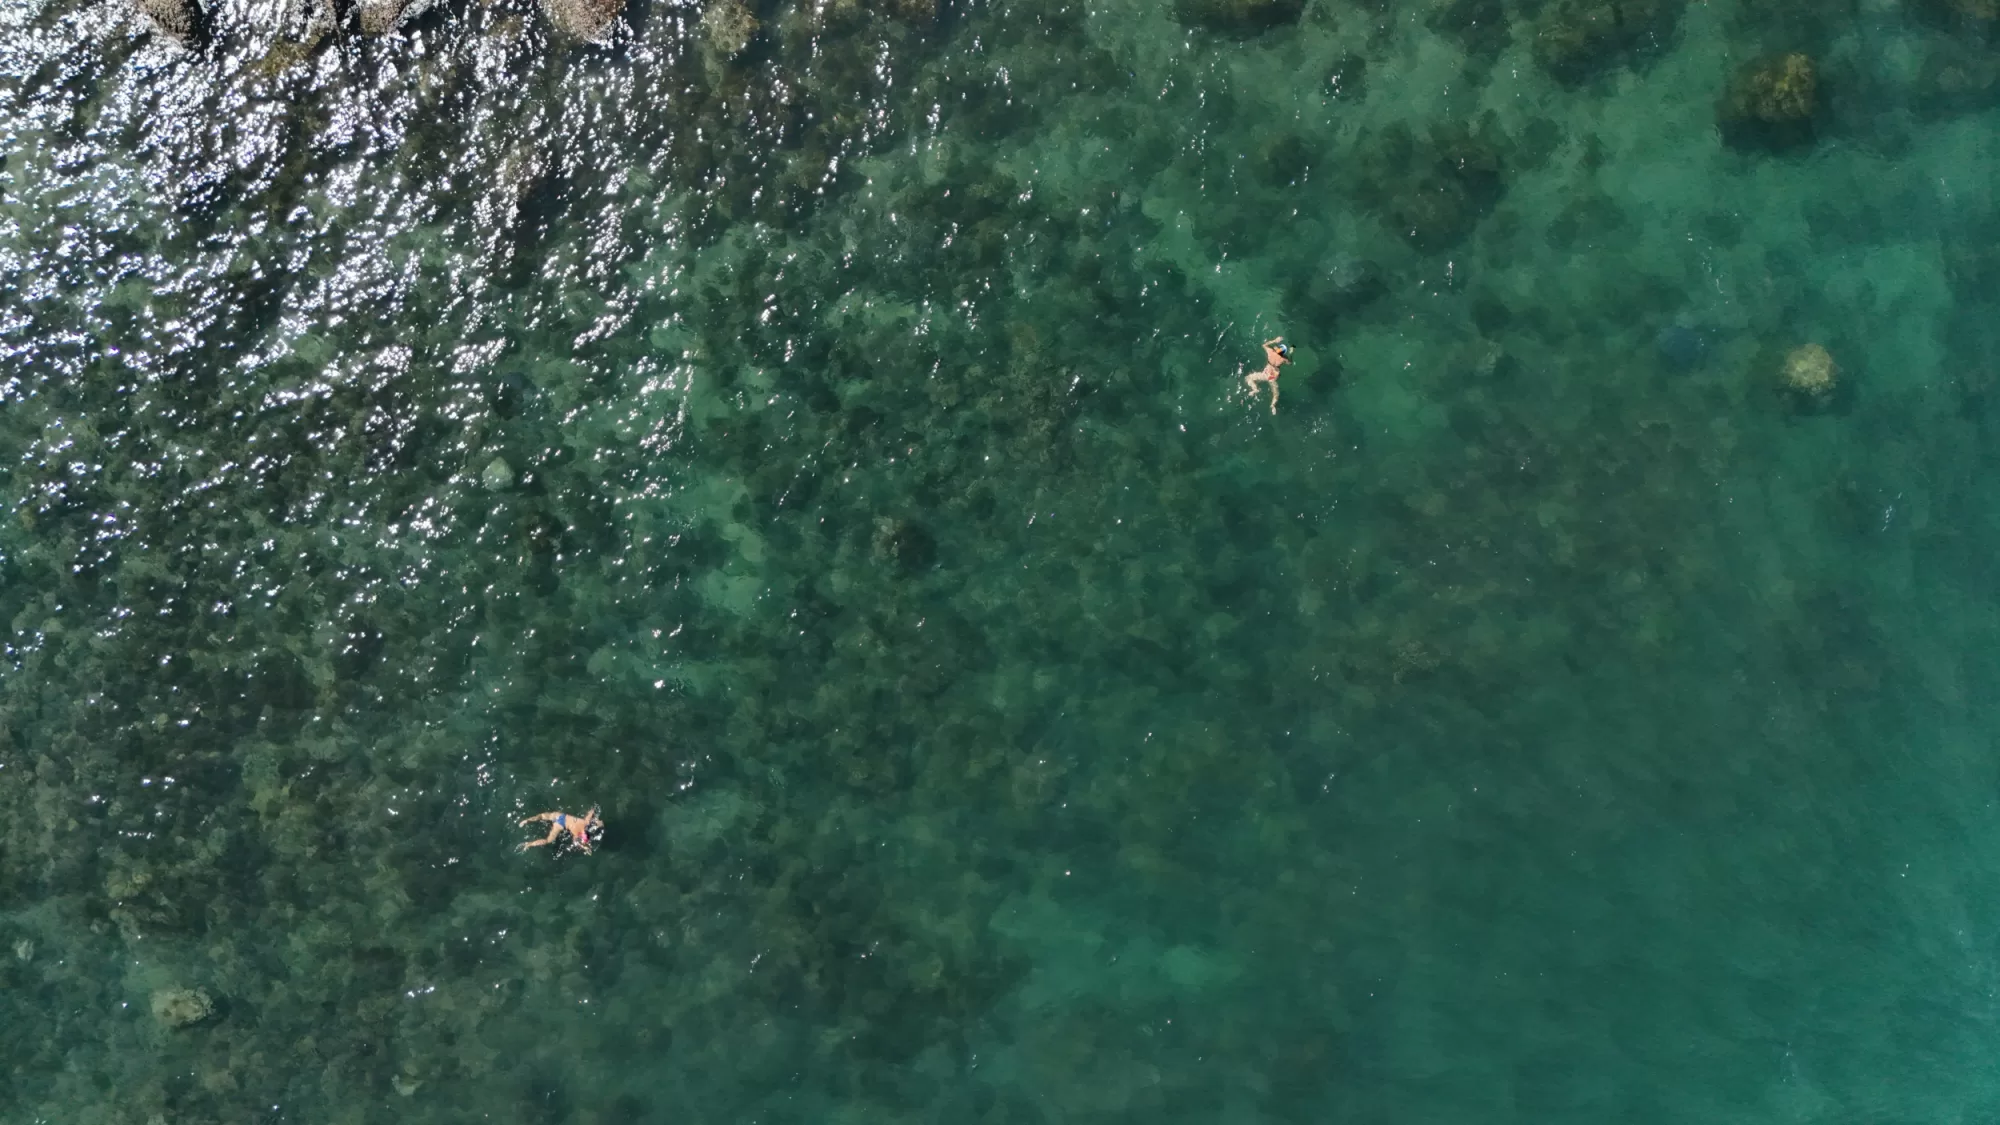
[{"x": 548, "y": 839}]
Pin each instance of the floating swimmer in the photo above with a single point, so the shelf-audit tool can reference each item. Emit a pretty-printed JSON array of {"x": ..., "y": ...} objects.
[
  {"x": 580, "y": 829},
  {"x": 1277, "y": 353}
]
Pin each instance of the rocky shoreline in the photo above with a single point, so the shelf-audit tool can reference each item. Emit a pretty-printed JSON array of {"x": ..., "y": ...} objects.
[{"x": 187, "y": 23}]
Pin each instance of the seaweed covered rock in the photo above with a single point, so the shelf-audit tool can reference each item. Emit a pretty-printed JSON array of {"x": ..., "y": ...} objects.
[
  {"x": 1238, "y": 17},
  {"x": 1771, "y": 103},
  {"x": 380, "y": 17},
  {"x": 727, "y": 27},
  {"x": 308, "y": 27},
  {"x": 1809, "y": 375},
  {"x": 588, "y": 20},
  {"x": 1575, "y": 39},
  {"x": 179, "y": 20},
  {"x": 284, "y": 54},
  {"x": 181, "y": 1007}
]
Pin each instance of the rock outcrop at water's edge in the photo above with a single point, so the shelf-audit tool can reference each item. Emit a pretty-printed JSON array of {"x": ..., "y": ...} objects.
[
  {"x": 178, "y": 20},
  {"x": 380, "y": 17},
  {"x": 589, "y": 20}
]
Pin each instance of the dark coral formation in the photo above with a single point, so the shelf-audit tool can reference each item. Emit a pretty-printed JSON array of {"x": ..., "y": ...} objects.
[
  {"x": 1238, "y": 17},
  {"x": 1433, "y": 189},
  {"x": 1577, "y": 39},
  {"x": 1771, "y": 103}
]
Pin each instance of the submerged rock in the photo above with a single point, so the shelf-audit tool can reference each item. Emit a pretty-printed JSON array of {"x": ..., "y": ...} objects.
[
  {"x": 728, "y": 27},
  {"x": 588, "y": 20},
  {"x": 1681, "y": 347},
  {"x": 1770, "y": 103},
  {"x": 1980, "y": 18},
  {"x": 288, "y": 53},
  {"x": 1810, "y": 374},
  {"x": 181, "y": 1007},
  {"x": 1240, "y": 17},
  {"x": 308, "y": 27},
  {"x": 1575, "y": 39},
  {"x": 903, "y": 544},
  {"x": 499, "y": 475},
  {"x": 1434, "y": 190},
  {"x": 1480, "y": 25},
  {"x": 178, "y": 20},
  {"x": 380, "y": 17},
  {"x": 1957, "y": 77}
]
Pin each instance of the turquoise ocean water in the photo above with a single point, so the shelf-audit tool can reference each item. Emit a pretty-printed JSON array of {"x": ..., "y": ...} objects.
[{"x": 830, "y": 457}]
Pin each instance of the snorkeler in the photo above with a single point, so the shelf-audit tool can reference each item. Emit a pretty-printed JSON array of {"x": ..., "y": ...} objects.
[
  {"x": 579, "y": 829},
  {"x": 1277, "y": 353}
]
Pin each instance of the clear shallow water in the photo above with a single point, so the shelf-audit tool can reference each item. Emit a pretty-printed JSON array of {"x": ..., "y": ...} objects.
[{"x": 997, "y": 718}]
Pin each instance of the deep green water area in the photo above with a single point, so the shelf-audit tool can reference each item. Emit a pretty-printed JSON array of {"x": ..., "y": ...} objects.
[{"x": 832, "y": 459}]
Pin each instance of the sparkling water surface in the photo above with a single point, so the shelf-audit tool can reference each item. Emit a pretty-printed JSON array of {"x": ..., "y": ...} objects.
[{"x": 831, "y": 458}]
